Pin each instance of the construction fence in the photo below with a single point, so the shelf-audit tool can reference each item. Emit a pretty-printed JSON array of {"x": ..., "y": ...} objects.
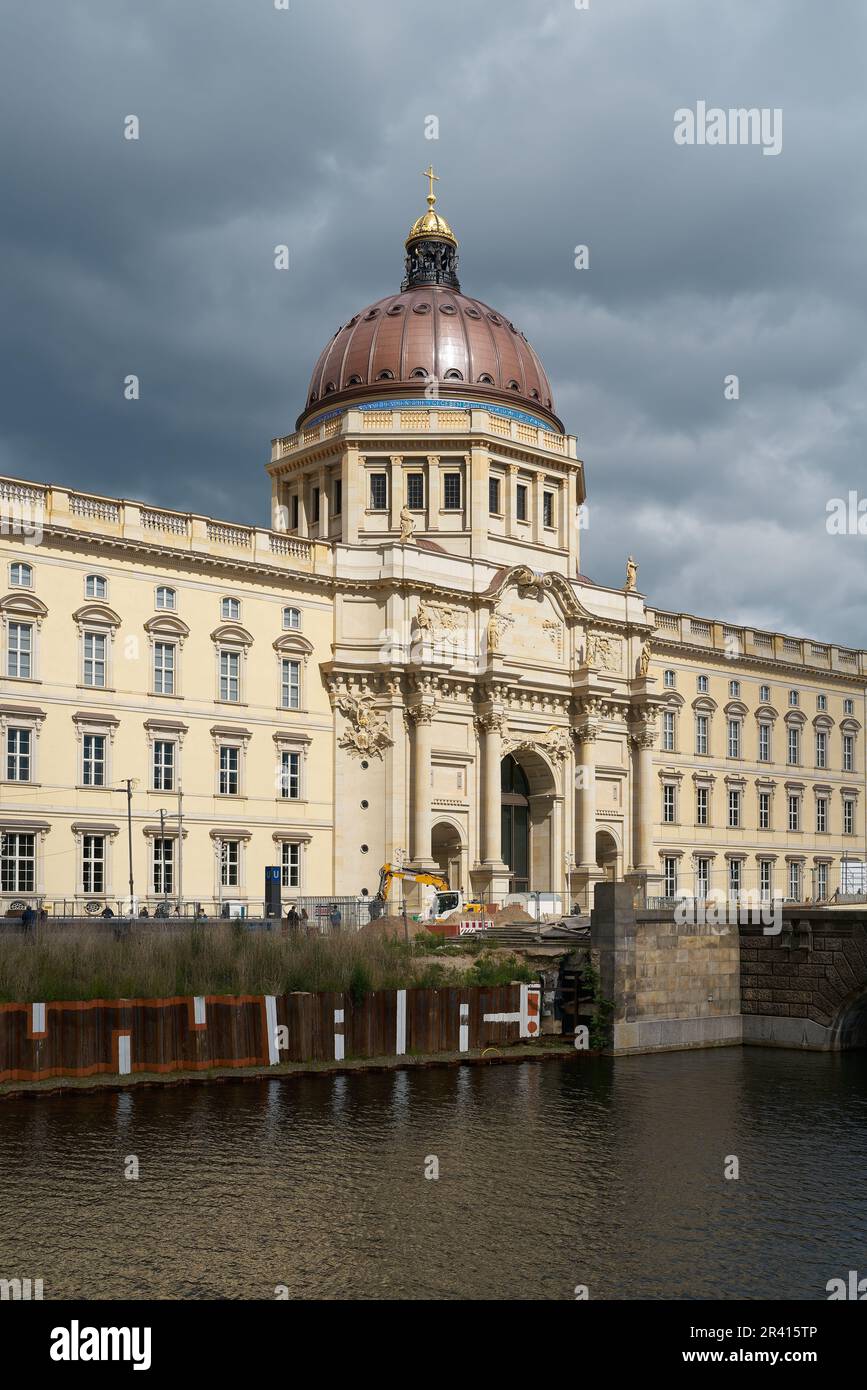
[{"x": 122, "y": 1037}]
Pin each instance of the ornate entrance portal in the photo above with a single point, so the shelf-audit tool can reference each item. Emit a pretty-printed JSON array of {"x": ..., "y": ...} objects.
[{"x": 515, "y": 821}]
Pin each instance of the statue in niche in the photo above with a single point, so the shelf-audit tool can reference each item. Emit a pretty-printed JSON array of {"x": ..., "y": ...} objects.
[
  {"x": 407, "y": 525},
  {"x": 644, "y": 659}
]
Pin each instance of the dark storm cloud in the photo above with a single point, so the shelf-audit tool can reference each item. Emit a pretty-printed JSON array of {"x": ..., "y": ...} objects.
[{"x": 261, "y": 127}]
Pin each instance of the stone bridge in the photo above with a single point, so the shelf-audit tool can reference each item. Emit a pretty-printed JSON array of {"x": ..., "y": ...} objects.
[{"x": 683, "y": 986}]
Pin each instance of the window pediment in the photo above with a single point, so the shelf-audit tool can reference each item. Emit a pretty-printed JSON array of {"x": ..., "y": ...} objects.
[
  {"x": 23, "y": 605},
  {"x": 795, "y": 717},
  {"x": 704, "y": 704},
  {"x": 167, "y": 625},
  {"x": 850, "y": 725},
  {"x": 293, "y": 644},
  {"x": 736, "y": 709},
  {"x": 766, "y": 714},
  {"x": 823, "y": 721},
  {"x": 96, "y": 615},
  {"x": 232, "y": 634}
]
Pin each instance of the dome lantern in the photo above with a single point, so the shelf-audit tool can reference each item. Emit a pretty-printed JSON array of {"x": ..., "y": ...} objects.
[{"x": 431, "y": 247}]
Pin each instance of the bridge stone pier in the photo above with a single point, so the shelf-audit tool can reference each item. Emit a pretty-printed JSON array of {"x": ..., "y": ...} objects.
[{"x": 677, "y": 986}]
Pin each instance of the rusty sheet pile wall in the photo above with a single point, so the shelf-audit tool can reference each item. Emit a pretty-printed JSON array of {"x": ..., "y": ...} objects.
[{"x": 39, "y": 1041}]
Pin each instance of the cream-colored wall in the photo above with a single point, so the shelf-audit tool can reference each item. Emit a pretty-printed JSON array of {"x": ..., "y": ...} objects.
[
  {"x": 807, "y": 844},
  {"x": 57, "y": 796}
]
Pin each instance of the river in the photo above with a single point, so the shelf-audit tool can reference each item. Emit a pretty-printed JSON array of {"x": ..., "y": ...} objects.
[{"x": 593, "y": 1172}]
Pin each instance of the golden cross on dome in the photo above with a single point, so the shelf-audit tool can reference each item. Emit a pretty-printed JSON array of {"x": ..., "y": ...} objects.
[{"x": 429, "y": 174}]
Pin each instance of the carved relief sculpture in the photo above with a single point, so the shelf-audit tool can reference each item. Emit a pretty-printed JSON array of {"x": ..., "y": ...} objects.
[{"x": 367, "y": 734}]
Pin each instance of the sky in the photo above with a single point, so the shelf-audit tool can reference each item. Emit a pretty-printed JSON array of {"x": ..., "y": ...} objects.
[{"x": 306, "y": 126}]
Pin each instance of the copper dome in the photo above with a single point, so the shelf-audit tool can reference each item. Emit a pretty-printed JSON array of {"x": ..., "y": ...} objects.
[
  {"x": 430, "y": 329},
  {"x": 402, "y": 340}
]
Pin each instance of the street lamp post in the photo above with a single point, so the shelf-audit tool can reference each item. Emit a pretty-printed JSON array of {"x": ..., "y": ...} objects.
[{"x": 127, "y": 784}]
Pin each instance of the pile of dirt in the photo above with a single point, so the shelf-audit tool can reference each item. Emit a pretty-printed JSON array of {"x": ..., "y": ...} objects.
[
  {"x": 514, "y": 914},
  {"x": 382, "y": 927}
]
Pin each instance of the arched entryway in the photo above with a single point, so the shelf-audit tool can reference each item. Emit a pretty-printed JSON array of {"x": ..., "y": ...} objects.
[
  {"x": 607, "y": 853},
  {"x": 850, "y": 1026},
  {"x": 447, "y": 849},
  {"x": 528, "y": 804}
]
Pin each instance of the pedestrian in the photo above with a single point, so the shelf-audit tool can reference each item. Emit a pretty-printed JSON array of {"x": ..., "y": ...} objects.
[
  {"x": 304, "y": 922},
  {"x": 107, "y": 912},
  {"x": 292, "y": 917},
  {"x": 28, "y": 918},
  {"x": 335, "y": 918},
  {"x": 144, "y": 912}
]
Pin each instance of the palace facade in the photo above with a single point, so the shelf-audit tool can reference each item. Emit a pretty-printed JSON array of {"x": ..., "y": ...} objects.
[{"x": 408, "y": 663}]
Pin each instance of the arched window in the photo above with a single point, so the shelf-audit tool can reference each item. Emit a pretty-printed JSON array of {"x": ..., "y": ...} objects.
[
  {"x": 453, "y": 375},
  {"x": 291, "y": 619},
  {"x": 486, "y": 380},
  {"x": 20, "y": 576},
  {"x": 166, "y": 598},
  {"x": 385, "y": 376},
  {"x": 96, "y": 586}
]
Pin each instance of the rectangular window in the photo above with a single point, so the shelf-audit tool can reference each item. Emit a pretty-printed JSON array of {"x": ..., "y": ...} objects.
[
  {"x": 494, "y": 496},
  {"x": 795, "y": 882},
  {"x": 765, "y": 880},
  {"x": 821, "y": 748},
  {"x": 230, "y": 609},
  {"x": 702, "y": 685},
  {"x": 848, "y": 706},
  {"x": 821, "y": 702},
  {"x": 18, "y": 742},
  {"x": 670, "y": 867},
  {"x": 230, "y": 676},
  {"x": 794, "y": 747},
  {"x": 735, "y": 690},
  {"x": 93, "y": 864},
  {"x": 93, "y": 760},
  {"x": 378, "y": 492},
  {"x": 415, "y": 491},
  {"x": 794, "y": 698},
  {"x": 821, "y": 882},
  {"x": 848, "y": 816},
  {"x": 290, "y": 684},
  {"x": 821, "y": 814},
  {"x": 734, "y": 878},
  {"x": 164, "y": 866},
  {"x": 95, "y": 649},
  {"x": 314, "y": 507},
  {"x": 291, "y": 866},
  {"x": 164, "y": 765},
  {"x": 290, "y": 775},
  {"x": 668, "y": 804},
  {"x": 848, "y": 753},
  {"x": 764, "y": 693},
  {"x": 17, "y": 863},
  {"x": 668, "y": 731},
  {"x": 230, "y": 863},
  {"x": 548, "y": 509},
  {"x": 734, "y": 810},
  {"x": 702, "y": 878},
  {"x": 19, "y": 655},
  {"x": 764, "y": 743},
  {"x": 734, "y": 738},
  {"x": 164, "y": 668},
  {"x": 296, "y": 512},
  {"x": 794, "y": 813},
  {"x": 701, "y": 733},
  {"x": 452, "y": 492},
  {"x": 669, "y": 679},
  {"x": 337, "y": 507},
  {"x": 521, "y": 502},
  {"x": 764, "y": 810},
  {"x": 230, "y": 761},
  {"x": 701, "y": 805}
]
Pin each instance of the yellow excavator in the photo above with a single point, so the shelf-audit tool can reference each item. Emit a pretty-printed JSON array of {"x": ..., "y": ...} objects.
[{"x": 445, "y": 899}]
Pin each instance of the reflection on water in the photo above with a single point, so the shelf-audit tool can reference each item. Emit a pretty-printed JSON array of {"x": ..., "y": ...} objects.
[{"x": 587, "y": 1172}]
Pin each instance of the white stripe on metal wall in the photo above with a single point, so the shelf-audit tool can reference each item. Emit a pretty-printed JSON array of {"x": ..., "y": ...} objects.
[
  {"x": 271, "y": 1025},
  {"x": 124, "y": 1054},
  {"x": 198, "y": 1008},
  {"x": 464, "y": 1039},
  {"x": 37, "y": 1018},
  {"x": 400, "y": 1045},
  {"x": 338, "y": 1035}
]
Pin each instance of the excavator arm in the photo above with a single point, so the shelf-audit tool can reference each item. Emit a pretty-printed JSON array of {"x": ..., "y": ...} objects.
[{"x": 388, "y": 873}]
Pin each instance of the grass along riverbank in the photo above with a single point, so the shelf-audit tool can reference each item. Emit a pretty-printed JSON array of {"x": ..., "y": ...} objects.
[{"x": 86, "y": 963}]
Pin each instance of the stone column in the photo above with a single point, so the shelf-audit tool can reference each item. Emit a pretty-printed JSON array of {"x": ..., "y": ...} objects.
[
  {"x": 492, "y": 726},
  {"x": 585, "y": 735},
  {"x": 324, "y": 504},
  {"x": 396, "y": 490},
  {"x": 642, "y": 741},
  {"x": 433, "y": 492},
  {"x": 421, "y": 717}
]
